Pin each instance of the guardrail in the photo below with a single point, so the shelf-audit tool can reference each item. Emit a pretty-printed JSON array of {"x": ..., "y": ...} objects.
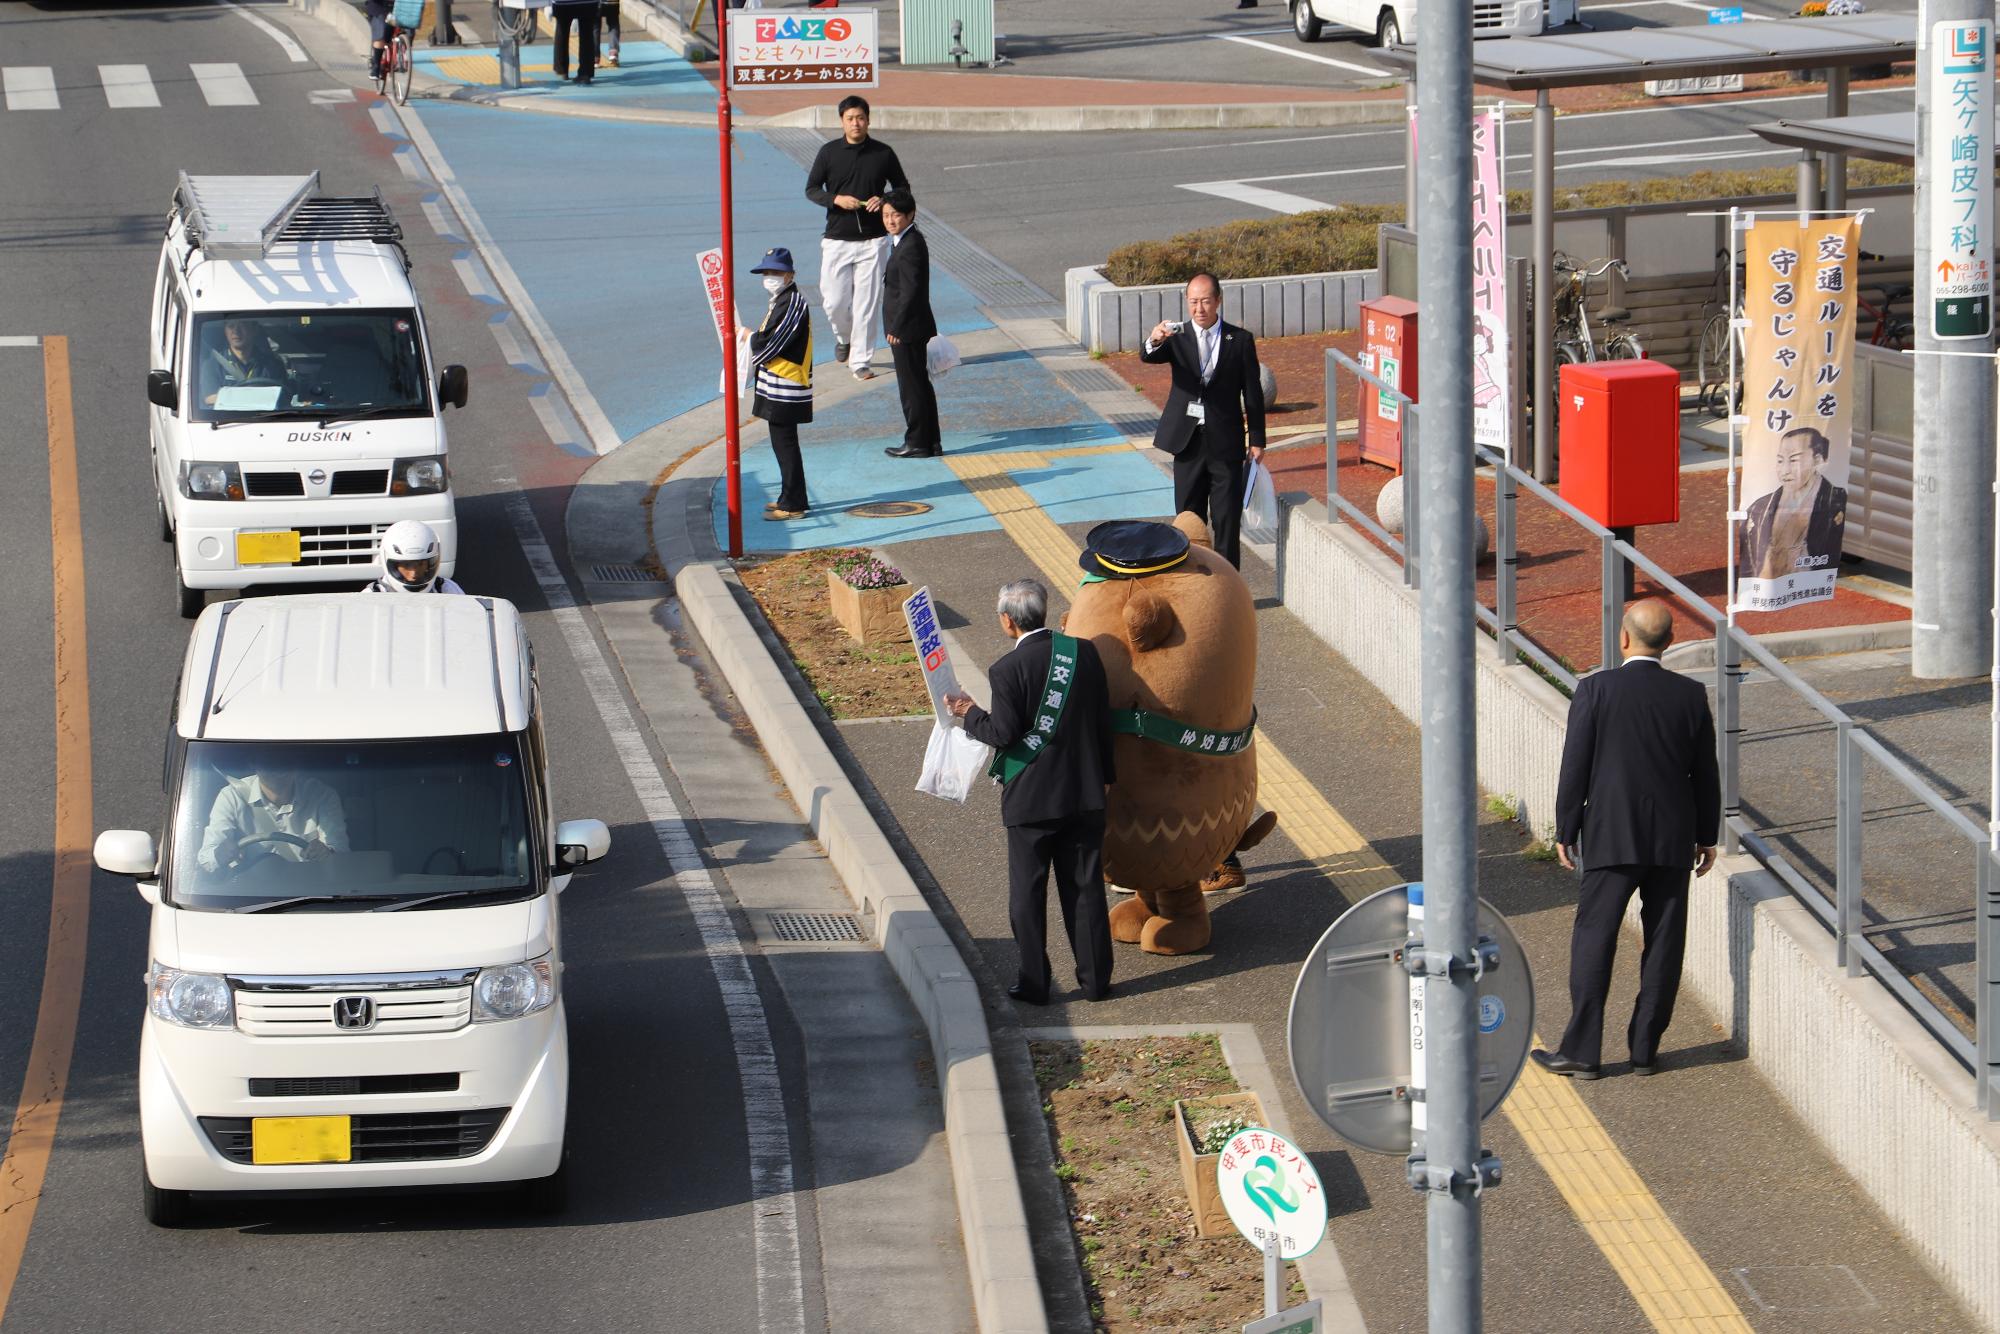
[{"x": 1980, "y": 1054}]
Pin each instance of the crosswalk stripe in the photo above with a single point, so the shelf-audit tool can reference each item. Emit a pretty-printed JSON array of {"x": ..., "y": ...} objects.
[
  {"x": 128, "y": 86},
  {"x": 224, "y": 85},
  {"x": 30, "y": 88}
]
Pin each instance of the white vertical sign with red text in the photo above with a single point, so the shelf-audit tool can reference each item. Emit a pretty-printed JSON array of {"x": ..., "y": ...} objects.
[{"x": 710, "y": 264}]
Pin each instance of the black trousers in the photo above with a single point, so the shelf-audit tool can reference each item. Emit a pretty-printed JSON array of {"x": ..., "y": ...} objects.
[
  {"x": 584, "y": 18},
  {"x": 1663, "y": 901},
  {"x": 1075, "y": 848},
  {"x": 791, "y": 465},
  {"x": 1211, "y": 485},
  {"x": 913, "y": 383}
]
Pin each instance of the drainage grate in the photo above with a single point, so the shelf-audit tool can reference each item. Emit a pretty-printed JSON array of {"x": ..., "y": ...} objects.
[
  {"x": 815, "y": 926},
  {"x": 622, "y": 574},
  {"x": 888, "y": 509}
]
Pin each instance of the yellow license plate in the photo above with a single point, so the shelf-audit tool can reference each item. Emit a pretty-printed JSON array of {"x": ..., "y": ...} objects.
[
  {"x": 267, "y": 548},
  {"x": 300, "y": 1139}
]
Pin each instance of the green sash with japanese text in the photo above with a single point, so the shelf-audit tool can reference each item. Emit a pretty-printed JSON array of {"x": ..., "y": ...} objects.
[
  {"x": 1008, "y": 764},
  {"x": 1198, "y": 740}
]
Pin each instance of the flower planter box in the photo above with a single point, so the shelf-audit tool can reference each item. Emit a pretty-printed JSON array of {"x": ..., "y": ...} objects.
[
  {"x": 1211, "y": 1219},
  {"x": 869, "y": 615}
]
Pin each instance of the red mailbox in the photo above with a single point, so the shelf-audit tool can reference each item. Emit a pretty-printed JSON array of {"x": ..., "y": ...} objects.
[
  {"x": 1389, "y": 349},
  {"x": 1621, "y": 441}
]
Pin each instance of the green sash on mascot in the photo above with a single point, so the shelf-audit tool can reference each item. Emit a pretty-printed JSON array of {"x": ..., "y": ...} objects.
[
  {"x": 1199, "y": 740},
  {"x": 1008, "y": 764}
]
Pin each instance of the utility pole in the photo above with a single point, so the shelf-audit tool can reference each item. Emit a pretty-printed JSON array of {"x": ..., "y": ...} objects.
[
  {"x": 1450, "y": 1168},
  {"x": 1951, "y": 567}
]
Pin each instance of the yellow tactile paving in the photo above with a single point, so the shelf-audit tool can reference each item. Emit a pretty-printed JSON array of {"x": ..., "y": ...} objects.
[
  {"x": 1670, "y": 1282},
  {"x": 479, "y": 69}
]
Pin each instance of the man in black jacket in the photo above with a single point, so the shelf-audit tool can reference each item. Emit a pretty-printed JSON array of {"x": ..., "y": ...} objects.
[
  {"x": 1217, "y": 393},
  {"x": 848, "y": 179},
  {"x": 1640, "y": 792},
  {"x": 907, "y": 319},
  {"x": 1050, "y": 726}
]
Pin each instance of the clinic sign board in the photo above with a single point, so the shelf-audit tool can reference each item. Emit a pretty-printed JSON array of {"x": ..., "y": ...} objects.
[
  {"x": 770, "y": 50},
  {"x": 1960, "y": 163}
]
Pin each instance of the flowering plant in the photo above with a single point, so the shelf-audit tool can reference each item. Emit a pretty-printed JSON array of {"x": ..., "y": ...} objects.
[{"x": 860, "y": 570}]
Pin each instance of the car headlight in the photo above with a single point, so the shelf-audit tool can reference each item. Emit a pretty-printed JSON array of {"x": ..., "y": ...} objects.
[
  {"x": 211, "y": 481},
  {"x": 192, "y": 1000},
  {"x": 418, "y": 477},
  {"x": 513, "y": 990}
]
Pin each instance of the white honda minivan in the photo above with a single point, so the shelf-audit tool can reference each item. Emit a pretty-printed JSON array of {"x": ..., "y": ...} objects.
[
  {"x": 355, "y": 972},
  {"x": 295, "y": 413}
]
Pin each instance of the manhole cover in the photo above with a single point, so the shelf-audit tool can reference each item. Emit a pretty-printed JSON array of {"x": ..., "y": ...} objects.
[
  {"x": 816, "y": 926},
  {"x": 889, "y": 509}
]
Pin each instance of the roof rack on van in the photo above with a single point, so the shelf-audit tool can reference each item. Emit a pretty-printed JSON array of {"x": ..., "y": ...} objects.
[{"x": 242, "y": 217}]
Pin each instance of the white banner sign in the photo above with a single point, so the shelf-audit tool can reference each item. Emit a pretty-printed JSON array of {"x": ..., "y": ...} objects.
[
  {"x": 710, "y": 264},
  {"x": 939, "y": 678},
  {"x": 1492, "y": 404},
  {"x": 768, "y": 50},
  {"x": 1960, "y": 159}
]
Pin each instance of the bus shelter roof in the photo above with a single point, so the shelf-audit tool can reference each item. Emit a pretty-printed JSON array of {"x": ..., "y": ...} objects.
[
  {"x": 1889, "y": 136},
  {"x": 1683, "y": 51}
]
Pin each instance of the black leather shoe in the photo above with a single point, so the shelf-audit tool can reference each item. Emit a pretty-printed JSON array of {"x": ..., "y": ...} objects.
[
  {"x": 1651, "y": 1067},
  {"x": 1020, "y": 992},
  {"x": 905, "y": 452},
  {"x": 1102, "y": 993},
  {"x": 1559, "y": 1064}
]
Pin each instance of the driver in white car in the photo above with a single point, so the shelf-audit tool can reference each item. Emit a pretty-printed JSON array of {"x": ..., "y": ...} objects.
[
  {"x": 275, "y": 810},
  {"x": 244, "y": 356}
]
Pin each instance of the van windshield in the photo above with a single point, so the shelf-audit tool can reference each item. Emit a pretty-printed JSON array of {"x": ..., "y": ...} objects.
[
  {"x": 351, "y": 825},
  {"x": 253, "y": 365}
]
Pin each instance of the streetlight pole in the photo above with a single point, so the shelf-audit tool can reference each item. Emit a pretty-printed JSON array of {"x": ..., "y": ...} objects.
[
  {"x": 1450, "y": 1169},
  {"x": 731, "y": 408}
]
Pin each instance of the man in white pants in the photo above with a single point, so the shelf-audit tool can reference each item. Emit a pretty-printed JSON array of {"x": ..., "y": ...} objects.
[{"x": 848, "y": 179}]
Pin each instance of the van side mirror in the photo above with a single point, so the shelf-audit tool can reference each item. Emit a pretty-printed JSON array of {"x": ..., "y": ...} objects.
[
  {"x": 452, "y": 384},
  {"x": 580, "y": 841},
  {"x": 126, "y": 852},
  {"x": 161, "y": 391}
]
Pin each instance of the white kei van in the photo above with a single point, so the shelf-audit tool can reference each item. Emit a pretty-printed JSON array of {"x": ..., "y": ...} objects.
[
  {"x": 295, "y": 411},
  {"x": 355, "y": 973},
  {"x": 1394, "y": 22}
]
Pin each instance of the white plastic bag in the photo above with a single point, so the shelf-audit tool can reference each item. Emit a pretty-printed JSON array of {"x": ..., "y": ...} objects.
[
  {"x": 953, "y": 762},
  {"x": 1260, "y": 503},
  {"x": 940, "y": 356}
]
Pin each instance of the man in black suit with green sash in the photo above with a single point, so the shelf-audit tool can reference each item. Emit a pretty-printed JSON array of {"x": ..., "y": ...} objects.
[{"x": 1050, "y": 728}]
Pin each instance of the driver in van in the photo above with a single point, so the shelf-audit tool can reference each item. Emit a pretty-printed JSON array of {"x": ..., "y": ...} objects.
[
  {"x": 278, "y": 810},
  {"x": 244, "y": 356}
]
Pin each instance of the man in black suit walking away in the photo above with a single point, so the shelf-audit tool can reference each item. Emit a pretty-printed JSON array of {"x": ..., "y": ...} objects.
[
  {"x": 1217, "y": 392},
  {"x": 907, "y": 319},
  {"x": 1640, "y": 791},
  {"x": 1050, "y": 727}
]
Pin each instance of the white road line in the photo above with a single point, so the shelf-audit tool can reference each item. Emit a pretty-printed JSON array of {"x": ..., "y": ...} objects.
[
  {"x": 603, "y": 435},
  {"x": 128, "y": 86},
  {"x": 329, "y": 97},
  {"x": 780, "y": 1294},
  {"x": 1275, "y": 200},
  {"x": 20, "y": 340},
  {"x": 30, "y": 88},
  {"x": 224, "y": 85},
  {"x": 1316, "y": 58},
  {"x": 284, "y": 39},
  {"x": 1664, "y": 159}
]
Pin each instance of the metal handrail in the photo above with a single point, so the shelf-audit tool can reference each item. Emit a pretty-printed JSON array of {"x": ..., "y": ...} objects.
[{"x": 1855, "y": 952}]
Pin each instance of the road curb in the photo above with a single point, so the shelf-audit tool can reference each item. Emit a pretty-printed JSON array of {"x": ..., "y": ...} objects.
[
  {"x": 608, "y": 522},
  {"x": 1699, "y": 654}
]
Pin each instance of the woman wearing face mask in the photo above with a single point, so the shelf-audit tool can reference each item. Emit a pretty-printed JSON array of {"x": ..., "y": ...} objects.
[{"x": 781, "y": 351}]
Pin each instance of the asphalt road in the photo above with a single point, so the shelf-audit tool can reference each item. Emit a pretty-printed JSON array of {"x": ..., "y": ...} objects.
[{"x": 660, "y": 1231}]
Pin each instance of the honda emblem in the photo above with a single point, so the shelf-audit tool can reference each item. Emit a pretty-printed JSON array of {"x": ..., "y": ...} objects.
[{"x": 354, "y": 1013}]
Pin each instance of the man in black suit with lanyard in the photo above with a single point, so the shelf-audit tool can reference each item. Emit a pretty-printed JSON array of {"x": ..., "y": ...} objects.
[
  {"x": 1217, "y": 393},
  {"x": 1640, "y": 791},
  {"x": 1050, "y": 728}
]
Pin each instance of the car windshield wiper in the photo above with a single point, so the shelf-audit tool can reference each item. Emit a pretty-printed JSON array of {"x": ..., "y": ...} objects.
[
  {"x": 279, "y": 905},
  {"x": 364, "y": 414},
  {"x": 448, "y": 894},
  {"x": 273, "y": 414}
]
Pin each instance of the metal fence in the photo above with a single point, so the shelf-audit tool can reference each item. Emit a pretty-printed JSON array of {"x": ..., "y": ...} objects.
[{"x": 1980, "y": 1054}]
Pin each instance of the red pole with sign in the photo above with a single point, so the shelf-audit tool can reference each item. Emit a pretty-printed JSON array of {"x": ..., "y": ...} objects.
[{"x": 730, "y": 406}]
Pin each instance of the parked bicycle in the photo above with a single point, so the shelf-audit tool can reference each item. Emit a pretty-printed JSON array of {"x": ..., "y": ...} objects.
[
  {"x": 1892, "y": 330},
  {"x": 1713, "y": 385},
  {"x": 1575, "y": 341}
]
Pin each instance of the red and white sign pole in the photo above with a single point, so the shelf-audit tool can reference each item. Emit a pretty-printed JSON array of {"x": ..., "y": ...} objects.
[{"x": 730, "y": 404}]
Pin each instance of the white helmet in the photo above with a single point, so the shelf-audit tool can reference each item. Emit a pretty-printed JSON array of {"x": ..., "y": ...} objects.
[{"x": 410, "y": 557}]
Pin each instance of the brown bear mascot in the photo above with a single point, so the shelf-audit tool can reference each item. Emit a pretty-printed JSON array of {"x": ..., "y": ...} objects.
[{"x": 1176, "y": 629}]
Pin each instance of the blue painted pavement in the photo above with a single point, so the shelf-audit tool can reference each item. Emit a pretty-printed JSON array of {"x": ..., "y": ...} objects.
[{"x": 649, "y": 74}]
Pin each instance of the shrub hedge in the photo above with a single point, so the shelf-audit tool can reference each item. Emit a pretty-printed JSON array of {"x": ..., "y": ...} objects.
[{"x": 1337, "y": 239}]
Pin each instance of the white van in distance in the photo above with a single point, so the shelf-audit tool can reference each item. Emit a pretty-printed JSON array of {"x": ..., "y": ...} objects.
[
  {"x": 294, "y": 411},
  {"x": 355, "y": 975},
  {"x": 1394, "y": 22}
]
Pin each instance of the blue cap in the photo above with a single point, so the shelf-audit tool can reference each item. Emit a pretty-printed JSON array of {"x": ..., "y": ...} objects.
[
  {"x": 1132, "y": 549},
  {"x": 776, "y": 260}
]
